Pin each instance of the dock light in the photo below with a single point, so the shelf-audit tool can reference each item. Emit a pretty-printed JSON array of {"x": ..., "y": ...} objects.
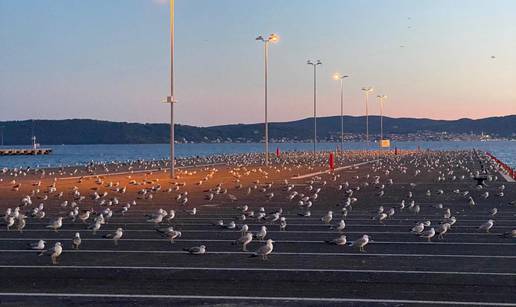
[
  {"x": 367, "y": 91},
  {"x": 341, "y": 78},
  {"x": 315, "y": 64},
  {"x": 271, "y": 38},
  {"x": 381, "y": 98}
]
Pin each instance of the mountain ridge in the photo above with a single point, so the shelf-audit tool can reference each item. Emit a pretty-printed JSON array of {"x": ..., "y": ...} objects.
[{"x": 91, "y": 131}]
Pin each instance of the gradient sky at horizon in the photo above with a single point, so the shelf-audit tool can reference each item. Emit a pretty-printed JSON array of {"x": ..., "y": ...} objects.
[{"x": 110, "y": 59}]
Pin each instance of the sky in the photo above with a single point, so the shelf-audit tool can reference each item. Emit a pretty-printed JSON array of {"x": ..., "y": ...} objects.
[{"x": 109, "y": 59}]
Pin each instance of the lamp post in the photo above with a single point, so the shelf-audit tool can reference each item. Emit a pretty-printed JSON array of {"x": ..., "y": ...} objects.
[
  {"x": 272, "y": 38},
  {"x": 171, "y": 99},
  {"x": 315, "y": 64},
  {"x": 367, "y": 91},
  {"x": 381, "y": 98},
  {"x": 340, "y": 77}
]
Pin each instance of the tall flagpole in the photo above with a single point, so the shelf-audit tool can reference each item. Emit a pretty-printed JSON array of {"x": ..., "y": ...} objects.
[
  {"x": 171, "y": 98},
  {"x": 266, "y": 72}
]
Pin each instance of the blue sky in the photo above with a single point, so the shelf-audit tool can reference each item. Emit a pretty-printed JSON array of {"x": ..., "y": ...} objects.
[{"x": 108, "y": 59}]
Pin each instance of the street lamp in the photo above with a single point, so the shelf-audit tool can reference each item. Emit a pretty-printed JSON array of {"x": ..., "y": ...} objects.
[
  {"x": 272, "y": 38},
  {"x": 171, "y": 99},
  {"x": 315, "y": 64},
  {"x": 367, "y": 91},
  {"x": 340, "y": 77},
  {"x": 381, "y": 98}
]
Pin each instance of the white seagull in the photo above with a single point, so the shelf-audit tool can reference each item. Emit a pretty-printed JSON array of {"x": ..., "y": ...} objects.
[{"x": 264, "y": 250}]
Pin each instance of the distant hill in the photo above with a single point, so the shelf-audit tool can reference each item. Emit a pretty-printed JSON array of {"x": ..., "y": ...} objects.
[{"x": 86, "y": 131}]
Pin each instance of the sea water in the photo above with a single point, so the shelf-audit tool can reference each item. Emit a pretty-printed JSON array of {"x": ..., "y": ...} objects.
[{"x": 69, "y": 155}]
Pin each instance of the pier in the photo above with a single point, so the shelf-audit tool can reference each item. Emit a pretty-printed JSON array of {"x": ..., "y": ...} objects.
[
  {"x": 33, "y": 151},
  {"x": 25, "y": 151},
  {"x": 466, "y": 266}
]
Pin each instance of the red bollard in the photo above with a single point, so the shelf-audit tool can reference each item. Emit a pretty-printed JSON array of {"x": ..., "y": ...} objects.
[
  {"x": 332, "y": 161},
  {"x": 277, "y": 152}
]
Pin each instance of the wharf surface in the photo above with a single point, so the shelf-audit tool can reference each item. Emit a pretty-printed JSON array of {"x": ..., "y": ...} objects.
[{"x": 466, "y": 267}]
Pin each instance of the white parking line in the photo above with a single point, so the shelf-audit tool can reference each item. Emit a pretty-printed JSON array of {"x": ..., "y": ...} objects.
[
  {"x": 348, "y": 225},
  {"x": 93, "y": 251},
  {"x": 316, "y": 217},
  {"x": 254, "y": 298},
  {"x": 268, "y": 231},
  {"x": 179, "y": 268},
  {"x": 277, "y": 241}
]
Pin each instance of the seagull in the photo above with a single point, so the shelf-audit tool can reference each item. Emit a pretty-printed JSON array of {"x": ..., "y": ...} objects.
[
  {"x": 442, "y": 229},
  {"x": 244, "y": 228},
  {"x": 170, "y": 233},
  {"x": 10, "y": 222},
  {"x": 391, "y": 212},
  {"x": 344, "y": 212},
  {"x": 262, "y": 233},
  {"x": 327, "y": 218},
  {"x": 275, "y": 216},
  {"x": 76, "y": 242},
  {"x": 21, "y": 224},
  {"x": 264, "y": 250},
  {"x": 283, "y": 223},
  {"x": 447, "y": 213},
  {"x": 196, "y": 250},
  {"x": 487, "y": 225},
  {"x": 95, "y": 226},
  {"x": 493, "y": 211},
  {"x": 193, "y": 211},
  {"x": 156, "y": 219},
  {"x": 55, "y": 252},
  {"x": 40, "y": 245},
  {"x": 56, "y": 224},
  {"x": 243, "y": 208},
  {"x": 338, "y": 241},
  {"x": 244, "y": 240},
  {"x": 418, "y": 228},
  {"x": 230, "y": 225},
  {"x": 341, "y": 226},
  {"x": 428, "y": 234},
  {"x": 115, "y": 236},
  {"x": 380, "y": 217},
  {"x": 451, "y": 220},
  {"x": 361, "y": 242},
  {"x": 173, "y": 234},
  {"x": 471, "y": 201},
  {"x": 171, "y": 216}
]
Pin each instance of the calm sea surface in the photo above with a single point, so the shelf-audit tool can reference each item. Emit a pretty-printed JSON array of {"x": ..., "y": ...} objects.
[{"x": 65, "y": 155}]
